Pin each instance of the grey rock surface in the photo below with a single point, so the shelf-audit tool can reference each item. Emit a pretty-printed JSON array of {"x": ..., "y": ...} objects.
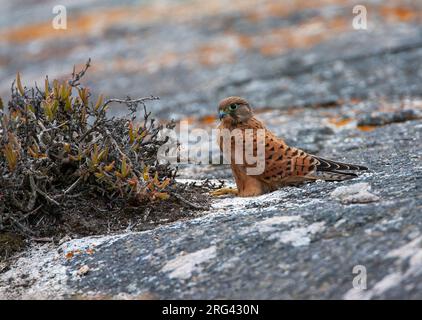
[
  {"x": 298, "y": 242},
  {"x": 294, "y": 243}
]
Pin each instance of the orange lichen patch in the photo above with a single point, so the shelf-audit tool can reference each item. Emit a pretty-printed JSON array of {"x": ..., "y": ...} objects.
[
  {"x": 189, "y": 120},
  {"x": 90, "y": 251},
  {"x": 210, "y": 55},
  {"x": 272, "y": 48},
  {"x": 402, "y": 13},
  {"x": 366, "y": 128},
  {"x": 291, "y": 110},
  {"x": 244, "y": 41},
  {"x": 210, "y": 119},
  {"x": 97, "y": 20},
  {"x": 27, "y": 32},
  {"x": 308, "y": 34},
  {"x": 76, "y": 26},
  {"x": 72, "y": 253},
  {"x": 69, "y": 255},
  {"x": 205, "y": 55},
  {"x": 340, "y": 122},
  {"x": 355, "y": 101},
  {"x": 254, "y": 16}
]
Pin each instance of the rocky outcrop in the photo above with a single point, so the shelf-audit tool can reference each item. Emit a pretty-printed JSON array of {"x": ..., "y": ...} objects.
[{"x": 298, "y": 242}]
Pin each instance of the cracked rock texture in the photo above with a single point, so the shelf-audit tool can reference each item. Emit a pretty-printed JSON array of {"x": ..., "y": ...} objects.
[{"x": 350, "y": 95}]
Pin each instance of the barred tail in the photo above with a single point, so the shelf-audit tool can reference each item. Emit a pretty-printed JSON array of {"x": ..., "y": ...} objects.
[
  {"x": 332, "y": 166},
  {"x": 331, "y": 175}
]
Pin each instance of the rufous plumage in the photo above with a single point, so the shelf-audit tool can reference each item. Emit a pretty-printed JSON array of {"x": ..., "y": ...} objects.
[{"x": 284, "y": 165}]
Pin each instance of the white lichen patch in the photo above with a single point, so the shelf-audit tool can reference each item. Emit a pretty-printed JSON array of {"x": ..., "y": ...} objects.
[
  {"x": 299, "y": 233},
  {"x": 241, "y": 203},
  {"x": 271, "y": 224},
  {"x": 36, "y": 274},
  {"x": 299, "y": 236},
  {"x": 268, "y": 224},
  {"x": 355, "y": 193},
  {"x": 87, "y": 243},
  {"x": 185, "y": 264},
  {"x": 40, "y": 271}
]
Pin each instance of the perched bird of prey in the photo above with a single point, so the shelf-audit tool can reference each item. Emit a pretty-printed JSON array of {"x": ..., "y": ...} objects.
[{"x": 284, "y": 165}]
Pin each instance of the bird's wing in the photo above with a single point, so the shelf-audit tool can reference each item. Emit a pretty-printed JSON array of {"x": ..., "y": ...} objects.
[
  {"x": 287, "y": 163},
  {"x": 282, "y": 161}
]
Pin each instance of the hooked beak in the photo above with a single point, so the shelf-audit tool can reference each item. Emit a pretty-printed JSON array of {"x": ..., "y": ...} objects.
[{"x": 222, "y": 114}]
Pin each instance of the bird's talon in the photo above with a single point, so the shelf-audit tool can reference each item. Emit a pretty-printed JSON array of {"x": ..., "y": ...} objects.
[{"x": 223, "y": 191}]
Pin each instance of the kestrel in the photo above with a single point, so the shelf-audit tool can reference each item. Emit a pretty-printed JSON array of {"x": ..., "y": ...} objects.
[{"x": 284, "y": 165}]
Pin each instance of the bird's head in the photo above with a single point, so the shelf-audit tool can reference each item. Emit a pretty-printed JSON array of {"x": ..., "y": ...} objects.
[{"x": 234, "y": 110}]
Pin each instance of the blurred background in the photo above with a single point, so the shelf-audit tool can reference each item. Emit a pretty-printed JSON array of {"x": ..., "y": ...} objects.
[{"x": 192, "y": 53}]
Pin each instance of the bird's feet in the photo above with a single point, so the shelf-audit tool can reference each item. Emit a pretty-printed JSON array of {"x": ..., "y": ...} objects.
[{"x": 224, "y": 191}]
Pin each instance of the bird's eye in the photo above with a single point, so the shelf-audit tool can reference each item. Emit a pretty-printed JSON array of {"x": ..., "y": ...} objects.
[{"x": 233, "y": 106}]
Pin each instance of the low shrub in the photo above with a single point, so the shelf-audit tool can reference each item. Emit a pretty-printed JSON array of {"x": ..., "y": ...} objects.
[{"x": 66, "y": 166}]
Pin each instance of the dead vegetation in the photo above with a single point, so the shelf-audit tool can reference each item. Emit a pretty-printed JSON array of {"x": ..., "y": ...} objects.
[{"x": 68, "y": 168}]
